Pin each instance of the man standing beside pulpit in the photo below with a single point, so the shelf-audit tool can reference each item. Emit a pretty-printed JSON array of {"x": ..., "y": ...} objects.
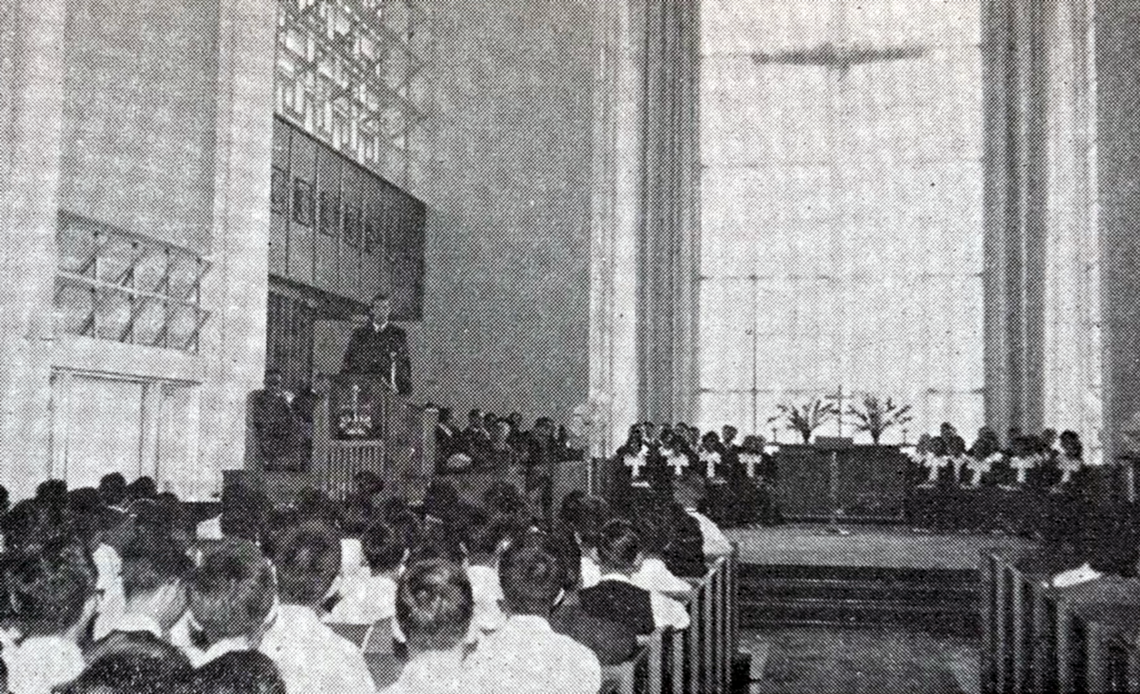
[{"x": 380, "y": 348}]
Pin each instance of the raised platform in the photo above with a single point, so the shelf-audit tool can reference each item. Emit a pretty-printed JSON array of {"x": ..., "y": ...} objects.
[{"x": 875, "y": 576}]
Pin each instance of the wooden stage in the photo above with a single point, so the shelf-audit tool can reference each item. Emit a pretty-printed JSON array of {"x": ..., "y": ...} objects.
[
  {"x": 802, "y": 575},
  {"x": 882, "y": 546}
]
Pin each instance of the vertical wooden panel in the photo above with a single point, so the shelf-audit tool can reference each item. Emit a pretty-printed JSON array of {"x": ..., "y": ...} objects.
[
  {"x": 329, "y": 196},
  {"x": 279, "y": 194},
  {"x": 302, "y": 212},
  {"x": 351, "y": 231}
]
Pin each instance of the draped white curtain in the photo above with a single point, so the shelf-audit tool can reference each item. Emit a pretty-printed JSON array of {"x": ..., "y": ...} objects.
[{"x": 841, "y": 206}]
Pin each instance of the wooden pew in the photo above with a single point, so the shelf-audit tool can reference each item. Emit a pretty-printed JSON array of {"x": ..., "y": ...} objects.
[{"x": 697, "y": 660}]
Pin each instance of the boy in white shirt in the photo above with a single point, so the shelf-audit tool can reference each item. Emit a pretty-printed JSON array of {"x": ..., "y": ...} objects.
[
  {"x": 369, "y": 598},
  {"x": 525, "y": 655},
  {"x": 154, "y": 574},
  {"x": 433, "y": 608},
  {"x": 310, "y": 655},
  {"x": 231, "y": 596},
  {"x": 53, "y": 593}
]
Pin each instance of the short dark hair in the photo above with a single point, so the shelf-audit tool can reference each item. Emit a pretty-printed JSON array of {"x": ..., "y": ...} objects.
[
  {"x": 434, "y": 605},
  {"x": 49, "y": 587},
  {"x": 239, "y": 672},
  {"x": 150, "y": 562},
  {"x": 128, "y": 673},
  {"x": 653, "y": 522},
  {"x": 138, "y": 643},
  {"x": 307, "y": 559},
  {"x": 594, "y": 513},
  {"x": 383, "y": 547},
  {"x": 501, "y": 528},
  {"x": 142, "y": 488},
  {"x": 532, "y": 572},
  {"x": 618, "y": 544},
  {"x": 113, "y": 488},
  {"x": 381, "y": 296},
  {"x": 232, "y": 591}
]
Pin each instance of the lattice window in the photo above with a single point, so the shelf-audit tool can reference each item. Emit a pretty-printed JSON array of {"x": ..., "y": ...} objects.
[
  {"x": 115, "y": 285},
  {"x": 353, "y": 73}
]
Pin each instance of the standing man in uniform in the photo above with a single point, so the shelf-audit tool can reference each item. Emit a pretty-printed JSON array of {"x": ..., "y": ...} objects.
[{"x": 380, "y": 348}]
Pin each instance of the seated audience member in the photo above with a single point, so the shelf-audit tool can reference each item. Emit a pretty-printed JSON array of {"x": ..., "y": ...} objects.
[
  {"x": 52, "y": 592},
  {"x": 354, "y": 516},
  {"x": 231, "y": 596},
  {"x": 310, "y": 655},
  {"x": 616, "y": 597},
  {"x": 238, "y": 672},
  {"x": 654, "y": 528},
  {"x": 434, "y": 609},
  {"x": 611, "y": 642},
  {"x": 487, "y": 543},
  {"x": 142, "y": 488},
  {"x": 138, "y": 643},
  {"x": 713, "y": 541},
  {"x": 154, "y": 572},
  {"x": 369, "y": 598},
  {"x": 130, "y": 673},
  {"x": 526, "y": 654},
  {"x": 592, "y": 514}
]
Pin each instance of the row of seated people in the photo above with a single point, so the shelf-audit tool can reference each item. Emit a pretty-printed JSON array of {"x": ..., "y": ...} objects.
[
  {"x": 740, "y": 479},
  {"x": 491, "y": 442},
  {"x": 109, "y": 592},
  {"x": 1038, "y": 461}
]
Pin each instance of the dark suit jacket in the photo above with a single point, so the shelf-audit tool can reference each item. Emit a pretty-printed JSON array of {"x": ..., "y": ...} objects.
[
  {"x": 612, "y": 642},
  {"x": 619, "y": 602},
  {"x": 372, "y": 351}
]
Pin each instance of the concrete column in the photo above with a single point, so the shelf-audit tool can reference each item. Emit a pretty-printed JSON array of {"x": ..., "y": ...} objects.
[
  {"x": 31, "y": 116},
  {"x": 615, "y": 221},
  {"x": 233, "y": 344},
  {"x": 1071, "y": 327}
]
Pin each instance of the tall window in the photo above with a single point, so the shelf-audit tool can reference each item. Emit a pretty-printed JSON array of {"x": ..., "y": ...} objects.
[{"x": 842, "y": 208}]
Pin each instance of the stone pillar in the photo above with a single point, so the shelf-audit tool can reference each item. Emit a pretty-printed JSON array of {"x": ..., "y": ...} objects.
[
  {"x": 31, "y": 117},
  {"x": 1072, "y": 344},
  {"x": 233, "y": 344}
]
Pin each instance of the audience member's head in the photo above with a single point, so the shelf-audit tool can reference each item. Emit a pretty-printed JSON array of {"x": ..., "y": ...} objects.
[
  {"x": 307, "y": 558},
  {"x": 654, "y": 527},
  {"x": 532, "y": 572},
  {"x": 52, "y": 589},
  {"x": 239, "y": 672},
  {"x": 489, "y": 539},
  {"x": 355, "y": 515},
  {"x": 232, "y": 591},
  {"x": 154, "y": 572},
  {"x": 139, "y": 644},
  {"x": 1071, "y": 444},
  {"x": 242, "y": 512},
  {"x": 368, "y": 483},
  {"x": 594, "y": 512},
  {"x": 52, "y": 492},
  {"x": 128, "y": 673},
  {"x": 384, "y": 548},
  {"x": 619, "y": 547},
  {"x": 475, "y": 418},
  {"x": 142, "y": 488},
  {"x": 728, "y": 434},
  {"x": 434, "y": 606},
  {"x": 113, "y": 489},
  {"x": 502, "y": 497}
]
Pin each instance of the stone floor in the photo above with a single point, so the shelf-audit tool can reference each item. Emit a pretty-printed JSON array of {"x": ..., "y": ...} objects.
[{"x": 820, "y": 660}]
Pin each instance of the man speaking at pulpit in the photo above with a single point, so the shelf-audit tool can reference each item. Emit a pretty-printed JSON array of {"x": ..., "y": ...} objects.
[{"x": 380, "y": 348}]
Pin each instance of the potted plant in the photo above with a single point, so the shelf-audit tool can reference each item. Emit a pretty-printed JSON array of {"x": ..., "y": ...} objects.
[
  {"x": 876, "y": 416},
  {"x": 806, "y": 418}
]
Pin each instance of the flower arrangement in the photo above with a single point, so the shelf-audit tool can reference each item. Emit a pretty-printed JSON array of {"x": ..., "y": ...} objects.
[
  {"x": 806, "y": 418},
  {"x": 875, "y": 416}
]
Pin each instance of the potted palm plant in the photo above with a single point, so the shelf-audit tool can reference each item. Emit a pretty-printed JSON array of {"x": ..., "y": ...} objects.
[
  {"x": 806, "y": 418},
  {"x": 876, "y": 415}
]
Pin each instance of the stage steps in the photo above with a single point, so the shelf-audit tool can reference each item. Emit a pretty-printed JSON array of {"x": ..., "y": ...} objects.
[{"x": 942, "y": 601}]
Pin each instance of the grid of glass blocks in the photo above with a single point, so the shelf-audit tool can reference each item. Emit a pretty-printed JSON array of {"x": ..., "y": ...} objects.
[
  {"x": 355, "y": 74},
  {"x": 115, "y": 285}
]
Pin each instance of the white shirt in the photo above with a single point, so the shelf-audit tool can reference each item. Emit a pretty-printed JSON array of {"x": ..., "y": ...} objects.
[
  {"x": 109, "y": 567},
  {"x": 525, "y": 656},
  {"x": 210, "y": 529},
  {"x": 487, "y": 593},
  {"x": 42, "y": 662},
  {"x": 667, "y": 612},
  {"x": 352, "y": 558},
  {"x": 128, "y": 621},
  {"x": 431, "y": 673},
  {"x": 591, "y": 572},
  {"x": 312, "y": 658},
  {"x": 713, "y": 541},
  {"x": 364, "y": 600},
  {"x": 654, "y": 575}
]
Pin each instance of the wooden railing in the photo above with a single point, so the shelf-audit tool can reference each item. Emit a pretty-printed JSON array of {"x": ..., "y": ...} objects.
[
  {"x": 1037, "y": 638},
  {"x": 697, "y": 659}
]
